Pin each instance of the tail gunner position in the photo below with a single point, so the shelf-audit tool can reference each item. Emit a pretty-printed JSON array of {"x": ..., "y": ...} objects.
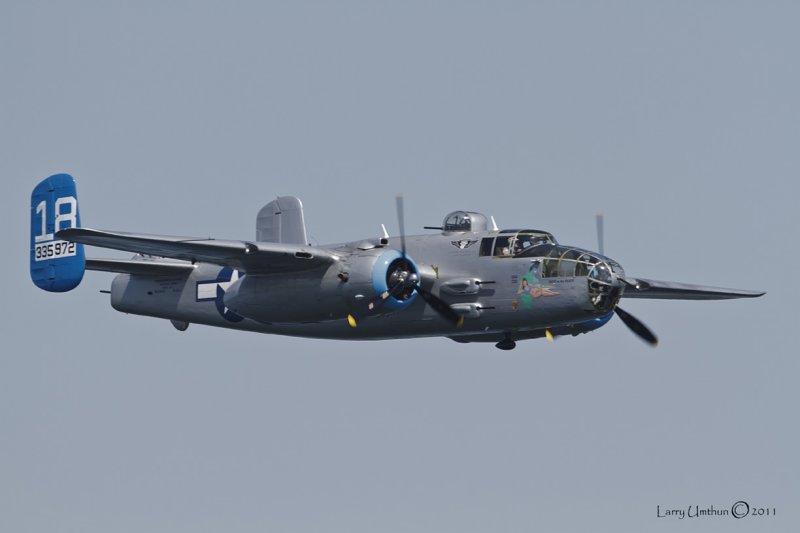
[{"x": 469, "y": 281}]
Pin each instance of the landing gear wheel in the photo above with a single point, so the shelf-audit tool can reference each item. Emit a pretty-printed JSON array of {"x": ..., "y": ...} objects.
[{"x": 506, "y": 344}]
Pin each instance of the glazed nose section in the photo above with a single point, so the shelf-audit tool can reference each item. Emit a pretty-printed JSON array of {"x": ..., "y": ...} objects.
[
  {"x": 601, "y": 273},
  {"x": 605, "y": 287}
]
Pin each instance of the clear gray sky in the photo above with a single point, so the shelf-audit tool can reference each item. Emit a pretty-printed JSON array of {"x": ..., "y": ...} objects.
[{"x": 680, "y": 120}]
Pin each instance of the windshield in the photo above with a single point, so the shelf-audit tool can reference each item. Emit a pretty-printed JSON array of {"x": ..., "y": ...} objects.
[
  {"x": 525, "y": 242},
  {"x": 515, "y": 243}
]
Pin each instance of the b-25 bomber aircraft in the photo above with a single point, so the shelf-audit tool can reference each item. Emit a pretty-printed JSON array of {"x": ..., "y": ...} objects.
[{"x": 470, "y": 281}]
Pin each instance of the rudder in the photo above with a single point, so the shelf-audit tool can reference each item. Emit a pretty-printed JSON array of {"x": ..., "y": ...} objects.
[
  {"x": 55, "y": 265},
  {"x": 282, "y": 221}
]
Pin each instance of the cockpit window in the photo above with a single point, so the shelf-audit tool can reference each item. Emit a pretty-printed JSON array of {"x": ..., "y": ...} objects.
[
  {"x": 502, "y": 246},
  {"x": 526, "y": 241},
  {"x": 521, "y": 243},
  {"x": 539, "y": 250}
]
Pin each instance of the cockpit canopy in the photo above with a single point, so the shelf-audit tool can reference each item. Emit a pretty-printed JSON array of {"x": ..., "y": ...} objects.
[
  {"x": 465, "y": 221},
  {"x": 556, "y": 260},
  {"x": 516, "y": 243}
]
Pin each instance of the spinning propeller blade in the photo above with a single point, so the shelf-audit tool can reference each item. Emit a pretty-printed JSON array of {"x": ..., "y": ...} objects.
[
  {"x": 439, "y": 305},
  {"x": 633, "y": 323},
  {"x": 637, "y": 327},
  {"x": 401, "y": 223},
  {"x": 599, "y": 221},
  {"x": 436, "y": 303}
]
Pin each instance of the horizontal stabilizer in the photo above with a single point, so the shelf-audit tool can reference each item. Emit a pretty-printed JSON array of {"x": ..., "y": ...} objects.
[
  {"x": 671, "y": 290},
  {"x": 139, "y": 268},
  {"x": 259, "y": 257}
]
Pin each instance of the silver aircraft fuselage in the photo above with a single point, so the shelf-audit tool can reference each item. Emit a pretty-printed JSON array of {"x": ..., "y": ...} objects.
[{"x": 495, "y": 294}]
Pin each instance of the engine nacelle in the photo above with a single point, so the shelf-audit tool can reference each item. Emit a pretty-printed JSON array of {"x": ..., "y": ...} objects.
[{"x": 346, "y": 287}]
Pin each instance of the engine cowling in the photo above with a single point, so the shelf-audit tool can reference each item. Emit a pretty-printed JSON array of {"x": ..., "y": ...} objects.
[{"x": 371, "y": 273}]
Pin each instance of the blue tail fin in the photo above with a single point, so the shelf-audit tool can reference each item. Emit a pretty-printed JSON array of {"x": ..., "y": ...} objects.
[{"x": 56, "y": 265}]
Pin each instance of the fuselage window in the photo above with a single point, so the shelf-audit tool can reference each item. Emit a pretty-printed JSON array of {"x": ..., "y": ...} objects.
[
  {"x": 502, "y": 246},
  {"x": 486, "y": 246}
]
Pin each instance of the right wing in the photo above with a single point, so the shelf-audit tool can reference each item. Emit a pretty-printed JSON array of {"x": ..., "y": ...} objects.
[
  {"x": 251, "y": 257},
  {"x": 671, "y": 290}
]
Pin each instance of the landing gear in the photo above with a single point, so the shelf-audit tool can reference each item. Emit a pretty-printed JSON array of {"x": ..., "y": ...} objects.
[{"x": 506, "y": 344}]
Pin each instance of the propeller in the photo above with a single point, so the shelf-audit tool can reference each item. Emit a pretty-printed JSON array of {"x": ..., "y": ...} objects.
[
  {"x": 633, "y": 323},
  {"x": 409, "y": 281},
  {"x": 440, "y": 306},
  {"x": 599, "y": 221},
  {"x": 436, "y": 303},
  {"x": 636, "y": 326}
]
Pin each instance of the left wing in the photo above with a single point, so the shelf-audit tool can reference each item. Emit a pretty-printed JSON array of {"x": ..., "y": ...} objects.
[
  {"x": 251, "y": 257},
  {"x": 140, "y": 267},
  {"x": 671, "y": 290}
]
